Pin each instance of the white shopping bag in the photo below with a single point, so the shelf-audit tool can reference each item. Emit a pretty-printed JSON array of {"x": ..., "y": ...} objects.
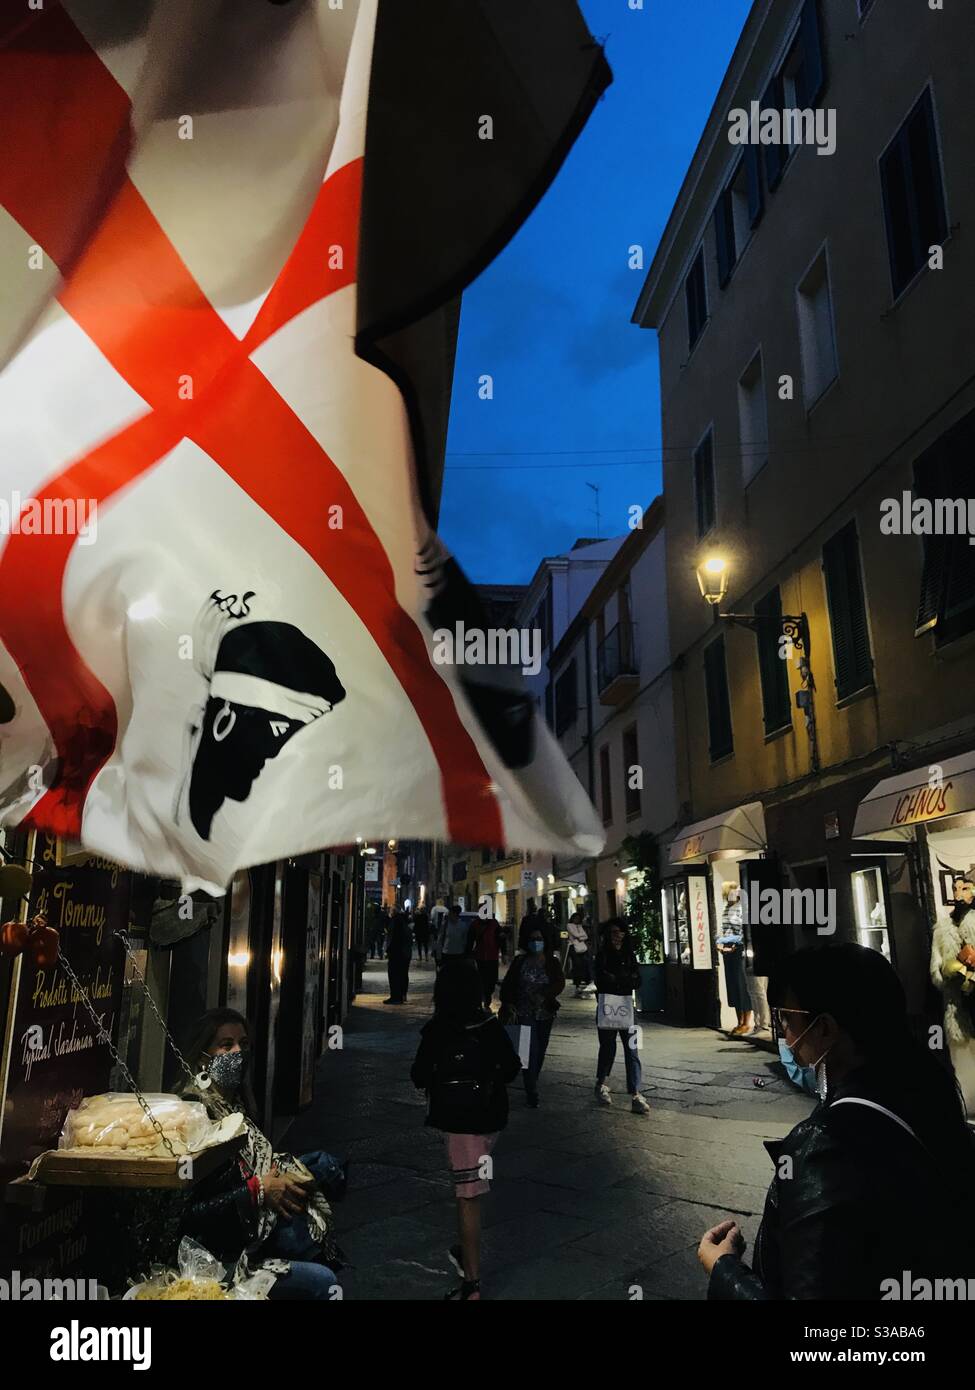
[
  {"x": 614, "y": 1011},
  {"x": 521, "y": 1040}
]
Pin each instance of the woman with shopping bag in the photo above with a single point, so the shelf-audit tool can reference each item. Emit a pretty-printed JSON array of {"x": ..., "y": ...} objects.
[
  {"x": 529, "y": 1000},
  {"x": 617, "y": 976}
]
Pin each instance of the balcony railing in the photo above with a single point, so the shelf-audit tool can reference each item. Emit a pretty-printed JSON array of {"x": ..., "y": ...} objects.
[{"x": 616, "y": 663}]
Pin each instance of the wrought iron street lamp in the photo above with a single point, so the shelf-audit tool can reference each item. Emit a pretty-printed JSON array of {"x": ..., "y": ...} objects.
[{"x": 712, "y": 579}]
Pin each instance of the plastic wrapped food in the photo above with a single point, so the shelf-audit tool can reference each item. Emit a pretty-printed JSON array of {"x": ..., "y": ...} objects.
[
  {"x": 117, "y": 1122},
  {"x": 200, "y": 1277}
]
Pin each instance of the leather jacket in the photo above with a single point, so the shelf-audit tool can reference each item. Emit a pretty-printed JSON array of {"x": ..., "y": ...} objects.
[
  {"x": 221, "y": 1214},
  {"x": 855, "y": 1200}
]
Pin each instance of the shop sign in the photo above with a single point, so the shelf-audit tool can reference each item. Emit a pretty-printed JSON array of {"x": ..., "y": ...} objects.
[
  {"x": 52, "y": 1053},
  {"x": 528, "y": 878},
  {"x": 692, "y": 847},
  {"x": 697, "y": 886},
  {"x": 372, "y": 871},
  {"x": 921, "y": 804}
]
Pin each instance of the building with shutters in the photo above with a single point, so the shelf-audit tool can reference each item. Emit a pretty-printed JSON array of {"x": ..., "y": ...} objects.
[{"x": 816, "y": 364}]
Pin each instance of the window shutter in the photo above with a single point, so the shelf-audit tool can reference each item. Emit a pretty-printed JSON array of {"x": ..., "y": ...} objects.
[
  {"x": 724, "y": 231},
  {"x": 812, "y": 75},
  {"x": 756, "y": 193},
  {"x": 929, "y": 483},
  {"x": 847, "y": 612},
  {"x": 775, "y": 155},
  {"x": 772, "y": 670},
  {"x": 704, "y": 483},
  {"x": 720, "y": 735}
]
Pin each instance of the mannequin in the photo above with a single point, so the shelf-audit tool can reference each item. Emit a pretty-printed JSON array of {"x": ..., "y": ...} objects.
[
  {"x": 952, "y": 947},
  {"x": 731, "y": 944}
]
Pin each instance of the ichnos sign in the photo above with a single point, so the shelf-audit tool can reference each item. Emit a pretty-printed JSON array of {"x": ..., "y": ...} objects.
[
  {"x": 697, "y": 887},
  {"x": 923, "y": 803}
]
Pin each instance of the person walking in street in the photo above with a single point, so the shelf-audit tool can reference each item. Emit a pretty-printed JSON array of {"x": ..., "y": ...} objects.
[
  {"x": 464, "y": 1063},
  {"x": 458, "y": 937},
  {"x": 862, "y": 1188},
  {"x": 438, "y": 918},
  {"x": 487, "y": 954},
  {"x": 530, "y": 999},
  {"x": 421, "y": 934},
  {"x": 617, "y": 976},
  {"x": 580, "y": 957},
  {"x": 400, "y": 952},
  {"x": 731, "y": 945}
]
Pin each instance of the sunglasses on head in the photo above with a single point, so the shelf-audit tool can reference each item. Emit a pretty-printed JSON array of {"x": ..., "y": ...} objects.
[{"x": 780, "y": 1018}]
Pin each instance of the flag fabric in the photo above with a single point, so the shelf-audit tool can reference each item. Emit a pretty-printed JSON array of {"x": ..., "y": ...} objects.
[{"x": 233, "y": 234}]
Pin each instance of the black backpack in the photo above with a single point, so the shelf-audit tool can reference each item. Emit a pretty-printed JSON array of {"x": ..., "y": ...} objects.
[{"x": 465, "y": 1075}]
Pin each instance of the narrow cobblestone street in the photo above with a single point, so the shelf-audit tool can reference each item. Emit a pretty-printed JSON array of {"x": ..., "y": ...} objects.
[{"x": 585, "y": 1202}]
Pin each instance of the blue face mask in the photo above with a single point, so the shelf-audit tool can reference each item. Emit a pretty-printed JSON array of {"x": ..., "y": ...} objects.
[{"x": 536, "y": 946}]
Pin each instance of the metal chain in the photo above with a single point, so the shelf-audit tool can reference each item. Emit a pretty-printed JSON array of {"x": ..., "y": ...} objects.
[
  {"x": 105, "y": 1037},
  {"x": 152, "y": 1003}
]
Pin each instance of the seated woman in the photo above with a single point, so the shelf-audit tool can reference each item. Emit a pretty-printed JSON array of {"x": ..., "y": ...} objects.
[
  {"x": 859, "y": 1192},
  {"x": 266, "y": 1209}
]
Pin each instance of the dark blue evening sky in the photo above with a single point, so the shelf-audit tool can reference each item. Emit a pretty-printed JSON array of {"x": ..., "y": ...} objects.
[{"x": 550, "y": 319}]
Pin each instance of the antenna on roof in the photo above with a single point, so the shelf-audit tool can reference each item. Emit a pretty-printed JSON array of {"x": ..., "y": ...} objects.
[{"x": 595, "y": 489}]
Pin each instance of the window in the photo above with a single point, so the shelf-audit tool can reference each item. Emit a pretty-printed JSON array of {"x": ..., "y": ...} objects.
[
  {"x": 914, "y": 199},
  {"x": 719, "y": 702},
  {"x": 947, "y": 598},
  {"x": 773, "y": 672},
  {"x": 738, "y": 210},
  {"x": 631, "y": 772},
  {"x": 704, "y": 483},
  {"x": 458, "y": 871},
  {"x": 605, "y": 786},
  {"x": 566, "y": 706},
  {"x": 847, "y": 612},
  {"x": 695, "y": 292},
  {"x": 797, "y": 85},
  {"x": 817, "y": 335},
  {"x": 752, "y": 419}
]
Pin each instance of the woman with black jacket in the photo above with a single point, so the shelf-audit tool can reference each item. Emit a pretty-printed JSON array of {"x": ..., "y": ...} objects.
[
  {"x": 464, "y": 1062},
  {"x": 530, "y": 995},
  {"x": 617, "y": 972},
  {"x": 860, "y": 1187}
]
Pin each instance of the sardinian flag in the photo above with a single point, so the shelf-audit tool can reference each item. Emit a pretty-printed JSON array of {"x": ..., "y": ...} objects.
[{"x": 233, "y": 234}]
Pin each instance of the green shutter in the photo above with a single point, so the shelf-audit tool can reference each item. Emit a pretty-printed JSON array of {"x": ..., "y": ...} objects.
[
  {"x": 721, "y": 741},
  {"x": 847, "y": 612},
  {"x": 772, "y": 670}
]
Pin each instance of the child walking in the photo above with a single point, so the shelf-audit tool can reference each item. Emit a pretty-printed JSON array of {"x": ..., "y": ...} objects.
[{"x": 464, "y": 1061}]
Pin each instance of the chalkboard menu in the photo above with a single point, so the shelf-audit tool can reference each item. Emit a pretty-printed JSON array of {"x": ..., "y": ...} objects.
[{"x": 52, "y": 1056}]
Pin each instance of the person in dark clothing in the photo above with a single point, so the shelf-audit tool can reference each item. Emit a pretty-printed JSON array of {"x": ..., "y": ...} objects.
[
  {"x": 487, "y": 954},
  {"x": 376, "y": 931},
  {"x": 399, "y": 952},
  {"x": 421, "y": 934},
  {"x": 529, "y": 997},
  {"x": 859, "y": 1193},
  {"x": 263, "y": 1206},
  {"x": 464, "y": 1062},
  {"x": 617, "y": 973}
]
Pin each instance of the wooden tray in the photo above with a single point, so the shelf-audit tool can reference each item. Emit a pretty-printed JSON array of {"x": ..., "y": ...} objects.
[{"x": 57, "y": 1169}]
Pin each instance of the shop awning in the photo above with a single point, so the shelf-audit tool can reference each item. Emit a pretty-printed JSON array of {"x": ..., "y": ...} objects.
[
  {"x": 898, "y": 804},
  {"x": 741, "y": 830}
]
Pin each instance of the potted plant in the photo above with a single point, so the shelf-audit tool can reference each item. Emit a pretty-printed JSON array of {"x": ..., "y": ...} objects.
[{"x": 644, "y": 920}]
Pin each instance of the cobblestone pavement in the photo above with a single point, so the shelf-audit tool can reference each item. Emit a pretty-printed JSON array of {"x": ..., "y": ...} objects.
[{"x": 586, "y": 1202}]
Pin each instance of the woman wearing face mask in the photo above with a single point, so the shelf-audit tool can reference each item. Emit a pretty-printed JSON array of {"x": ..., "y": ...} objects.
[
  {"x": 266, "y": 1209},
  {"x": 860, "y": 1187},
  {"x": 529, "y": 996}
]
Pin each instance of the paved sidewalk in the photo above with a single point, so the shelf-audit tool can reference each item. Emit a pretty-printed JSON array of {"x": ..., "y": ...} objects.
[{"x": 586, "y": 1201}]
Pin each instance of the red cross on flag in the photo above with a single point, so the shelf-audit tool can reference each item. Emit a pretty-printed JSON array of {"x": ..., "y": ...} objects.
[{"x": 232, "y": 236}]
